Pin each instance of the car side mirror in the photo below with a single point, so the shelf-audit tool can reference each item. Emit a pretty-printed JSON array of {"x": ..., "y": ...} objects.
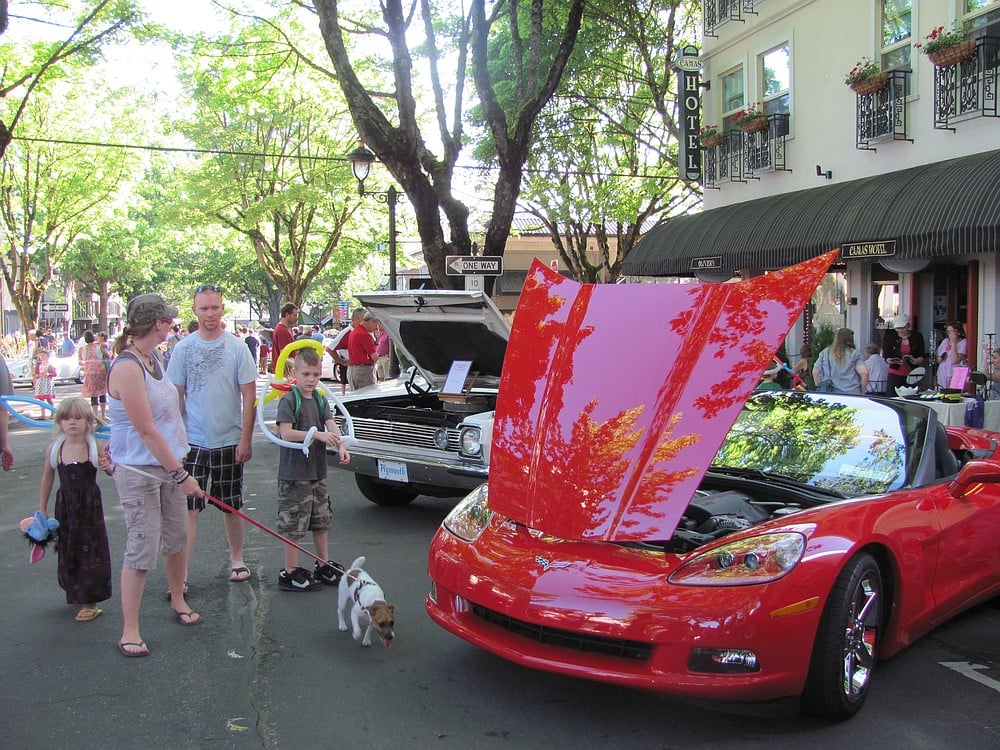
[{"x": 978, "y": 471}]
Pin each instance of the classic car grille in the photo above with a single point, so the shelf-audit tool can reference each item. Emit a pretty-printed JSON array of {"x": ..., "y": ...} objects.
[
  {"x": 399, "y": 433},
  {"x": 565, "y": 639}
]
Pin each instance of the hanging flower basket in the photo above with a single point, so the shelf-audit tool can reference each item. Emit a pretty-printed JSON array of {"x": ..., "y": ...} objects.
[
  {"x": 871, "y": 85},
  {"x": 753, "y": 125},
  {"x": 711, "y": 141},
  {"x": 953, "y": 54}
]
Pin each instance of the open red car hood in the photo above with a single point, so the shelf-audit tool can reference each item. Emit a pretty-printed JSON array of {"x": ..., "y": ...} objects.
[{"x": 614, "y": 398}]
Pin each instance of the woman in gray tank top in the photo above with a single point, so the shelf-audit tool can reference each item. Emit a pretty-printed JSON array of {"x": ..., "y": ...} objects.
[{"x": 147, "y": 435}]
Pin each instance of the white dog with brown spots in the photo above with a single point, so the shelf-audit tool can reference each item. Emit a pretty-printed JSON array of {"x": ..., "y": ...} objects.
[{"x": 358, "y": 592}]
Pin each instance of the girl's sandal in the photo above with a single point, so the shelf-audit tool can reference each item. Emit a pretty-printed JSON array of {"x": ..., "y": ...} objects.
[{"x": 88, "y": 613}]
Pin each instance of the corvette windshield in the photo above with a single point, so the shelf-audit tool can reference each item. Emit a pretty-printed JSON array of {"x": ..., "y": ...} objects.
[{"x": 850, "y": 445}]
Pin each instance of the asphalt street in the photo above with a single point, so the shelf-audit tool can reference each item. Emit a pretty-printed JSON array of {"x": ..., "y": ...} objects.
[{"x": 269, "y": 669}]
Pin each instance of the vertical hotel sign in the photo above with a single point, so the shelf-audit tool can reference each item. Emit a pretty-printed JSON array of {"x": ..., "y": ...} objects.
[{"x": 689, "y": 67}]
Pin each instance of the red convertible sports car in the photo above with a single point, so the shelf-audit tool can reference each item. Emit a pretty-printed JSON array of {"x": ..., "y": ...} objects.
[{"x": 650, "y": 521}]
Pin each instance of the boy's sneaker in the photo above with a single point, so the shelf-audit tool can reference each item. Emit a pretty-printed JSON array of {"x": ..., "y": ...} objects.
[
  {"x": 328, "y": 574},
  {"x": 299, "y": 579}
]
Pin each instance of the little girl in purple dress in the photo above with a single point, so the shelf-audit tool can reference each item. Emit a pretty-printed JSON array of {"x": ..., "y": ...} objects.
[{"x": 84, "y": 568}]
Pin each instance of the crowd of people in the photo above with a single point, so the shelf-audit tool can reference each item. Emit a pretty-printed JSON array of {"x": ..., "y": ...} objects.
[
  {"x": 181, "y": 404},
  {"x": 880, "y": 368}
]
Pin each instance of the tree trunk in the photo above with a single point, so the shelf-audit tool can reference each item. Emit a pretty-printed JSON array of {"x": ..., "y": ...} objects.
[{"x": 103, "y": 294}]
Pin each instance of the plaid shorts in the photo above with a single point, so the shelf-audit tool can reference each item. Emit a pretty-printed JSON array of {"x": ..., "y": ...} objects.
[
  {"x": 219, "y": 465},
  {"x": 302, "y": 507}
]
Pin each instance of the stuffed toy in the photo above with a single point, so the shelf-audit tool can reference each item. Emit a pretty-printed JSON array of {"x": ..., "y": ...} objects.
[{"x": 39, "y": 531}]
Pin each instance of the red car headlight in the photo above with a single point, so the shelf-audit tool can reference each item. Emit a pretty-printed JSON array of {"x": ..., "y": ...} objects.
[
  {"x": 470, "y": 517},
  {"x": 759, "y": 559}
]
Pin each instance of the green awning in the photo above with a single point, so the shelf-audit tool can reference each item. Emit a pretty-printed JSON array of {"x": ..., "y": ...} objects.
[{"x": 942, "y": 209}]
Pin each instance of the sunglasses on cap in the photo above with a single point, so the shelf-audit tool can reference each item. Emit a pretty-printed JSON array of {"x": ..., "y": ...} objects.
[{"x": 207, "y": 288}]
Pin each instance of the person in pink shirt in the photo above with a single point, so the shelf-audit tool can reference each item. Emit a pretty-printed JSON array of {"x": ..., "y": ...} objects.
[{"x": 382, "y": 344}]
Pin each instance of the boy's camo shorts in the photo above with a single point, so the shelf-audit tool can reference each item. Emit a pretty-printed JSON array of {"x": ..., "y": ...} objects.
[{"x": 302, "y": 507}]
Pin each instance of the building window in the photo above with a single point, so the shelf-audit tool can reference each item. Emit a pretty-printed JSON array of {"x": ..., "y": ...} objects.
[
  {"x": 982, "y": 17},
  {"x": 733, "y": 98},
  {"x": 511, "y": 282},
  {"x": 897, "y": 30},
  {"x": 775, "y": 79}
]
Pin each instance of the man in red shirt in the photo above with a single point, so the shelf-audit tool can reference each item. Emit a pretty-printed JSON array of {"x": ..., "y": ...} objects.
[
  {"x": 283, "y": 335},
  {"x": 361, "y": 350}
]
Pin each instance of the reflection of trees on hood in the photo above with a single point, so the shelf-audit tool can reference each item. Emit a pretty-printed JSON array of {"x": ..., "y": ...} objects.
[
  {"x": 744, "y": 320},
  {"x": 795, "y": 437},
  {"x": 614, "y": 399}
]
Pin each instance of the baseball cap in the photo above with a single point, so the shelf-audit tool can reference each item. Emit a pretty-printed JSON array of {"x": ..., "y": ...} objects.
[
  {"x": 148, "y": 308},
  {"x": 901, "y": 321}
]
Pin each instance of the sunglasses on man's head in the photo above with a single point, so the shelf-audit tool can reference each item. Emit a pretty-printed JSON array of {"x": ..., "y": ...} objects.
[{"x": 207, "y": 288}]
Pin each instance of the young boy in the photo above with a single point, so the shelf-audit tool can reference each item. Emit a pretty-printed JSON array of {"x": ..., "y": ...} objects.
[
  {"x": 303, "y": 502},
  {"x": 768, "y": 382}
]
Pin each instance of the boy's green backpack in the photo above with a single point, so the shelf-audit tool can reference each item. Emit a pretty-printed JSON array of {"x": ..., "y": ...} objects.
[{"x": 320, "y": 404}]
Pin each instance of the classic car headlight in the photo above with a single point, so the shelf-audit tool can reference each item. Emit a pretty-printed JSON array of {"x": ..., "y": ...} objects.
[
  {"x": 441, "y": 439},
  {"x": 759, "y": 559},
  {"x": 470, "y": 441},
  {"x": 470, "y": 517}
]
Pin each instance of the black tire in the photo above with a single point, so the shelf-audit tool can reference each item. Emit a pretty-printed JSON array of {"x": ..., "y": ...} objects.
[
  {"x": 384, "y": 493},
  {"x": 846, "y": 648}
]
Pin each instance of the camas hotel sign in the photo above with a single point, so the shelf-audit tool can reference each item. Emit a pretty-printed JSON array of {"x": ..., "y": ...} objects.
[
  {"x": 688, "y": 66},
  {"x": 871, "y": 249}
]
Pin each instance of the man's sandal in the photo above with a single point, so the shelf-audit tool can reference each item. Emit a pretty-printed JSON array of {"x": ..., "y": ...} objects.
[
  {"x": 187, "y": 618},
  {"x": 140, "y": 649}
]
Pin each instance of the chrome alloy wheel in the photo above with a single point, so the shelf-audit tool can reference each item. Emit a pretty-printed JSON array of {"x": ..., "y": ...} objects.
[{"x": 860, "y": 635}]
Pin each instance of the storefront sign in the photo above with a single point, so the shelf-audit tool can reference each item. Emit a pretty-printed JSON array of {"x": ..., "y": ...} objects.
[
  {"x": 688, "y": 66},
  {"x": 701, "y": 264},
  {"x": 862, "y": 250}
]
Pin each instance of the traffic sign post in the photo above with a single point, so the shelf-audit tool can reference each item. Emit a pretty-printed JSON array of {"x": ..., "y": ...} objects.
[{"x": 472, "y": 265}]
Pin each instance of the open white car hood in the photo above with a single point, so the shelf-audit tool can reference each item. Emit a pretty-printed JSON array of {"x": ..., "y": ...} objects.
[{"x": 433, "y": 328}]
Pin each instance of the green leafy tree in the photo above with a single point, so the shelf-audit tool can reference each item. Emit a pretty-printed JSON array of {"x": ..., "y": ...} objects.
[
  {"x": 428, "y": 47},
  {"x": 103, "y": 262},
  {"x": 54, "y": 194},
  {"x": 234, "y": 268},
  {"x": 605, "y": 164},
  {"x": 276, "y": 175},
  {"x": 30, "y": 69}
]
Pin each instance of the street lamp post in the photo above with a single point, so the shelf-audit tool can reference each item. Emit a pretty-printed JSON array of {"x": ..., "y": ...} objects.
[{"x": 361, "y": 159}]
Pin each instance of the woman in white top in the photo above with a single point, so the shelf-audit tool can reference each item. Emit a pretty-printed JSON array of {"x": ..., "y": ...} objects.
[{"x": 147, "y": 434}]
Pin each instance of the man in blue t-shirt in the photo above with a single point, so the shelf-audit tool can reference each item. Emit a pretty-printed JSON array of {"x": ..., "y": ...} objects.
[
  {"x": 216, "y": 377},
  {"x": 66, "y": 346}
]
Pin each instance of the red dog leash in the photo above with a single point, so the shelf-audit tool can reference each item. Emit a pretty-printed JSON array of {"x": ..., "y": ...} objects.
[{"x": 239, "y": 514}]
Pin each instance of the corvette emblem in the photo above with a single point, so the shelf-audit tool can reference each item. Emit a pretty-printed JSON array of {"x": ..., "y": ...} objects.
[{"x": 548, "y": 565}]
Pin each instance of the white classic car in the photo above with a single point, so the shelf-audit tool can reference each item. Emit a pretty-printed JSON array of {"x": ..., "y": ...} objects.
[
  {"x": 67, "y": 368},
  {"x": 407, "y": 438}
]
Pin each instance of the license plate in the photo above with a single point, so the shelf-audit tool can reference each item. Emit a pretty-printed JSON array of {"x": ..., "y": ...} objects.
[{"x": 393, "y": 471}]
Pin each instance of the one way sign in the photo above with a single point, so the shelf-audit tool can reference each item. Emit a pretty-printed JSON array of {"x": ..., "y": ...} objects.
[{"x": 466, "y": 265}]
